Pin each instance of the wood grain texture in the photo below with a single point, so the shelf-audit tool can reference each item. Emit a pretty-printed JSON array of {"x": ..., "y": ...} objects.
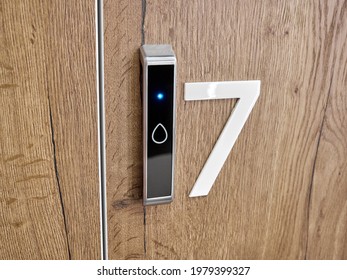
[
  {"x": 48, "y": 135},
  {"x": 71, "y": 86},
  {"x": 122, "y": 23},
  {"x": 327, "y": 237},
  {"x": 31, "y": 219},
  {"x": 258, "y": 207},
  {"x": 273, "y": 198}
]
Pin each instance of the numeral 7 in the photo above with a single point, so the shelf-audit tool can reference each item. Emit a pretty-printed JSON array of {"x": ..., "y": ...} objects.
[{"x": 247, "y": 92}]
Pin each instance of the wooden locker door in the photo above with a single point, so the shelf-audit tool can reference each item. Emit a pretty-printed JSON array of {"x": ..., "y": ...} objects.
[
  {"x": 49, "y": 190},
  {"x": 282, "y": 192}
]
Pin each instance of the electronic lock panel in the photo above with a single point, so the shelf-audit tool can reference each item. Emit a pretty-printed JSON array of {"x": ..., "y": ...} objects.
[{"x": 158, "y": 90}]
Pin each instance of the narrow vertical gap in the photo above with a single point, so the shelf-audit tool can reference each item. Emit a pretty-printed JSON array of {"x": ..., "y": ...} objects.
[
  {"x": 144, "y": 6},
  {"x": 57, "y": 176},
  {"x": 101, "y": 125}
]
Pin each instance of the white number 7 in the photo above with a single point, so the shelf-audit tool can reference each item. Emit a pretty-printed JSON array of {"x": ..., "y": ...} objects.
[{"x": 248, "y": 93}]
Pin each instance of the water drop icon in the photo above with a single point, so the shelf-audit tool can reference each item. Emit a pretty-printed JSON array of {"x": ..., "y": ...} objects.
[{"x": 158, "y": 131}]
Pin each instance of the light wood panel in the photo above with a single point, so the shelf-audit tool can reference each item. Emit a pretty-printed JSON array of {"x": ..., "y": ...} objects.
[
  {"x": 48, "y": 135},
  {"x": 122, "y": 20},
  {"x": 273, "y": 198},
  {"x": 328, "y": 203},
  {"x": 32, "y": 223},
  {"x": 258, "y": 207},
  {"x": 71, "y": 85}
]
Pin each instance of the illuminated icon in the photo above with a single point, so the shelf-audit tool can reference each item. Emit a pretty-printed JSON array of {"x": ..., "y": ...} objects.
[{"x": 159, "y": 126}]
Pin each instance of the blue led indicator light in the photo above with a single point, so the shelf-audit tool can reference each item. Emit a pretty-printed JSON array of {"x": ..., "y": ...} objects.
[{"x": 160, "y": 96}]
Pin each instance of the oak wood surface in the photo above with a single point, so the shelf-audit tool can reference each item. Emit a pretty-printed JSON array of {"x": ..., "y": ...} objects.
[
  {"x": 258, "y": 207},
  {"x": 48, "y": 138},
  {"x": 32, "y": 223},
  {"x": 282, "y": 192},
  {"x": 327, "y": 237},
  {"x": 71, "y": 85},
  {"x": 122, "y": 25},
  {"x": 271, "y": 199}
]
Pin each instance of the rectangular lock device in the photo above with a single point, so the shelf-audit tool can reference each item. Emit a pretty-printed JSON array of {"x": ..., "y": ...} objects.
[{"x": 158, "y": 98}]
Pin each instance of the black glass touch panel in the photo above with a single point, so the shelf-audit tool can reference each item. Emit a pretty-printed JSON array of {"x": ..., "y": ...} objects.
[{"x": 160, "y": 130}]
